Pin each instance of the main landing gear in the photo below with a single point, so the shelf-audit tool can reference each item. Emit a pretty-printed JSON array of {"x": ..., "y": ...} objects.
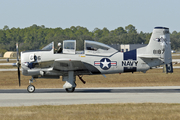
[
  {"x": 73, "y": 88},
  {"x": 70, "y": 79},
  {"x": 31, "y": 88}
]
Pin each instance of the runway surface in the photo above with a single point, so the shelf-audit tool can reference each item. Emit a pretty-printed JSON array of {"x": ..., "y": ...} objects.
[
  {"x": 9, "y": 69},
  {"x": 7, "y": 64},
  {"x": 20, "y": 97},
  {"x": 5, "y": 59}
]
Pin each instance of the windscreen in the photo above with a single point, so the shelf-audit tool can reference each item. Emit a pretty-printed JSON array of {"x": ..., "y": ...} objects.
[{"x": 48, "y": 47}]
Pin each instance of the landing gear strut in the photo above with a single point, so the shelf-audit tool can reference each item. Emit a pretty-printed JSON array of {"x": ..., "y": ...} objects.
[{"x": 31, "y": 88}]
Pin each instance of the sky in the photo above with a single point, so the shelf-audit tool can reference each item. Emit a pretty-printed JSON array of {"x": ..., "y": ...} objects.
[{"x": 143, "y": 14}]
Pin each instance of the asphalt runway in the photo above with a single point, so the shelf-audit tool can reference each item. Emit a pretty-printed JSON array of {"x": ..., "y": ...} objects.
[
  {"x": 5, "y": 59},
  {"x": 20, "y": 97},
  {"x": 6, "y": 63}
]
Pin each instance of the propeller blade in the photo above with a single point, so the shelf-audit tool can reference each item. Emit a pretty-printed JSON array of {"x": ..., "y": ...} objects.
[
  {"x": 19, "y": 77},
  {"x": 18, "y": 65}
]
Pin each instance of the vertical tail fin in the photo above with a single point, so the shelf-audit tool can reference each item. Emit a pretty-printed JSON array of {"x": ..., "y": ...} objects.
[
  {"x": 160, "y": 44},
  {"x": 159, "y": 47}
]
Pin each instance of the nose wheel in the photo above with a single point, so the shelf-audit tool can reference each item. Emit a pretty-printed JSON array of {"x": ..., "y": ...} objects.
[{"x": 31, "y": 88}]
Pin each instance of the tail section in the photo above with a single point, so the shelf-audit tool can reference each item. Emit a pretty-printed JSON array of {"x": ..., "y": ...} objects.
[{"x": 159, "y": 46}]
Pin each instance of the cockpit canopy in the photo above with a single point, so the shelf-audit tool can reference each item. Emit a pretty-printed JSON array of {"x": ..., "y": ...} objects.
[
  {"x": 90, "y": 48},
  {"x": 96, "y": 48}
]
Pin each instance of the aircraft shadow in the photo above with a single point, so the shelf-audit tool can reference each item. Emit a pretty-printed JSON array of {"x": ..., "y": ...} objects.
[{"x": 93, "y": 91}]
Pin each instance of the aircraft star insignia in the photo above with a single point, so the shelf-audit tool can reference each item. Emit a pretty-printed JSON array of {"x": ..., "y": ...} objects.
[{"x": 105, "y": 64}]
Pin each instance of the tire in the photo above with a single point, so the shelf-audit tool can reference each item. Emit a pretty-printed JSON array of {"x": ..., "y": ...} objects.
[
  {"x": 70, "y": 89},
  {"x": 31, "y": 88}
]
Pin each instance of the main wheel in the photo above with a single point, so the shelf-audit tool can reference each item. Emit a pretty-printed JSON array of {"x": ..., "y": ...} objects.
[
  {"x": 31, "y": 88},
  {"x": 70, "y": 89}
]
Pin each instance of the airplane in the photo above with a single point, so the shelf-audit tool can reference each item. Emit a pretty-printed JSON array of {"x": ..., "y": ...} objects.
[{"x": 96, "y": 58}]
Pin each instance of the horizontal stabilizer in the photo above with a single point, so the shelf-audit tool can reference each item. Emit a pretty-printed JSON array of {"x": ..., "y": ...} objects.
[{"x": 148, "y": 56}]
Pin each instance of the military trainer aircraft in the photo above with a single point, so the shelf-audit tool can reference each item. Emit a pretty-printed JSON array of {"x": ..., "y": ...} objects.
[{"x": 96, "y": 58}]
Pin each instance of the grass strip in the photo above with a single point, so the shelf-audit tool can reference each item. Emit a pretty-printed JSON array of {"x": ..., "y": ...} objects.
[{"x": 141, "y": 111}]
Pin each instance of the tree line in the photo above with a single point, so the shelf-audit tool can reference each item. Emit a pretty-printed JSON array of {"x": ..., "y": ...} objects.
[{"x": 35, "y": 37}]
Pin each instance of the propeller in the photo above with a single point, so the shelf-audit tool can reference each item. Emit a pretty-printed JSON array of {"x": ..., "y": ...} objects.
[{"x": 18, "y": 64}]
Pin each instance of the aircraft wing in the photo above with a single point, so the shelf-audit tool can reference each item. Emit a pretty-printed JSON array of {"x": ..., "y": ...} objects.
[{"x": 69, "y": 64}]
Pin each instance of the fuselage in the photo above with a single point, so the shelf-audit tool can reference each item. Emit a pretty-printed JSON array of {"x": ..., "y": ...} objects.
[{"x": 117, "y": 63}]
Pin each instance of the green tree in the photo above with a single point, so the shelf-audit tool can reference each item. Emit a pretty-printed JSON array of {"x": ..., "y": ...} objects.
[
  {"x": 6, "y": 27},
  {"x": 118, "y": 31},
  {"x": 36, "y": 37},
  {"x": 130, "y": 29},
  {"x": 2, "y": 36}
]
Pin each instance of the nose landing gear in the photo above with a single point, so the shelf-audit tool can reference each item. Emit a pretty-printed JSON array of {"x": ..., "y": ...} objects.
[{"x": 31, "y": 88}]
